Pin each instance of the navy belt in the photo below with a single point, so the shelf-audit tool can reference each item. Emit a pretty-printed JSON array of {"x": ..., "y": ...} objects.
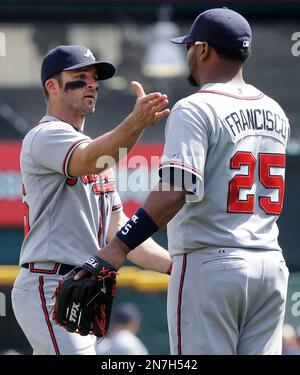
[{"x": 59, "y": 269}]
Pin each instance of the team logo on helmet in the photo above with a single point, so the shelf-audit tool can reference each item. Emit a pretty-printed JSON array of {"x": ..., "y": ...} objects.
[{"x": 89, "y": 54}]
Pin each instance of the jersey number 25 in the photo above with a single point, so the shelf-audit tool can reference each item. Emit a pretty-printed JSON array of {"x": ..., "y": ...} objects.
[{"x": 269, "y": 181}]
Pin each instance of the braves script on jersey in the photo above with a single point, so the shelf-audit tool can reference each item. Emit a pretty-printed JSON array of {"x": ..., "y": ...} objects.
[
  {"x": 66, "y": 218},
  {"x": 233, "y": 139}
]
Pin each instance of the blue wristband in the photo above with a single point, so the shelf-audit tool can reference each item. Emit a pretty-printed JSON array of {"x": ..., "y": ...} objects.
[{"x": 137, "y": 229}]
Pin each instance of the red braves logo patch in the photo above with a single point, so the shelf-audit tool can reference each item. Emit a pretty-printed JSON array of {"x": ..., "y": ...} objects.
[{"x": 101, "y": 183}]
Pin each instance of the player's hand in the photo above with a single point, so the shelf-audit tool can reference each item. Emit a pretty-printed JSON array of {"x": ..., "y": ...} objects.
[
  {"x": 84, "y": 306},
  {"x": 149, "y": 108},
  {"x": 83, "y": 273},
  {"x": 112, "y": 255}
]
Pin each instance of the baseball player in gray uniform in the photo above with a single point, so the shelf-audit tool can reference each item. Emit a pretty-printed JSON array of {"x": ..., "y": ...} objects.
[
  {"x": 71, "y": 206},
  {"x": 221, "y": 192}
]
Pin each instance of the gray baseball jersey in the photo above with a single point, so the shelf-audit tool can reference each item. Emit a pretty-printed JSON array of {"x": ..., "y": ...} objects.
[
  {"x": 233, "y": 141},
  {"x": 66, "y": 218}
]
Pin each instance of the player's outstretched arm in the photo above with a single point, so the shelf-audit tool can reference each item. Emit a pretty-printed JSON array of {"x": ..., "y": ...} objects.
[
  {"x": 103, "y": 152},
  {"x": 159, "y": 208}
]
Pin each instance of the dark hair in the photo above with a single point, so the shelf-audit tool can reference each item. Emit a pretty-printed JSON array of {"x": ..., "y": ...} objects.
[
  {"x": 240, "y": 55},
  {"x": 58, "y": 78}
]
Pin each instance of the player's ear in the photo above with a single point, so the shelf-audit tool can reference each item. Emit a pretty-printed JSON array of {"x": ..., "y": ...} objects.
[
  {"x": 204, "y": 51},
  {"x": 52, "y": 86}
]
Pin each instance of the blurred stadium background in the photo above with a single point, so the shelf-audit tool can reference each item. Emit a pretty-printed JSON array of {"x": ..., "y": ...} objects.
[{"x": 134, "y": 36}]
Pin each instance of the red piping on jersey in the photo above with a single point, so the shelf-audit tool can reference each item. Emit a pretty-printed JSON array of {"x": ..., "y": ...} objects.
[
  {"x": 172, "y": 163},
  {"x": 179, "y": 304},
  {"x": 120, "y": 205},
  {"x": 100, "y": 226},
  {"x": 68, "y": 153},
  {"x": 44, "y": 307},
  {"x": 39, "y": 270},
  {"x": 261, "y": 94}
]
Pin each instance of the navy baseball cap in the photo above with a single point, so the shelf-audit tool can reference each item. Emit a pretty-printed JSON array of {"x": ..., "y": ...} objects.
[
  {"x": 126, "y": 312},
  {"x": 72, "y": 57},
  {"x": 221, "y": 27}
]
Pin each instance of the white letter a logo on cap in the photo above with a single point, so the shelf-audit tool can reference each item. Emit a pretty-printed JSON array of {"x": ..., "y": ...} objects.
[{"x": 89, "y": 54}]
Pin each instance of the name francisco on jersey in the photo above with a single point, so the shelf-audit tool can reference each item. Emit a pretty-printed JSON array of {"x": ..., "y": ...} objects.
[{"x": 256, "y": 121}]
